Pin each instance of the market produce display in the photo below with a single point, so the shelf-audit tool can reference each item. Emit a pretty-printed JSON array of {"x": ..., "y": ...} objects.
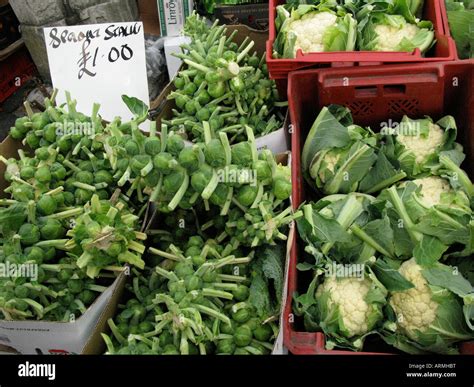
[
  {"x": 390, "y": 245},
  {"x": 78, "y": 203},
  {"x": 223, "y": 83},
  {"x": 321, "y": 26}
]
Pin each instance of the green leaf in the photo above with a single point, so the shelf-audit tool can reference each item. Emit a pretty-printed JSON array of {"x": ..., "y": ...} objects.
[
  {"x": 12, "y": 218},
  {"x": 305, "y": 266},
  {"x": 382, "y": 175},
  {"x": 357, "y": 163},
  {"x": 429, "y": 251},
  {"x": 390, "y": 277},
  {"x": 326, "y": 132},
  {"x": 137, "y": 107},
  {"x": 449, "y": 278},
  {"x": 273, "y": 258}
]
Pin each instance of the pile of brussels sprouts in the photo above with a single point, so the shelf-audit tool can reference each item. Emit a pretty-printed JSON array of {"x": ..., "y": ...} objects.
[
  {"x": 64, "y": 218},
  {"x": 223, "y": 83},
  {"x": 192, "y": 302}
]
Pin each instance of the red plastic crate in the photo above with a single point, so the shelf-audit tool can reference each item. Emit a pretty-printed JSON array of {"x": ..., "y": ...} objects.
[
  {"x": 374, "y": 95},
  {"x": 17, "y": 67},
  {"x": 434, "y": 10}
]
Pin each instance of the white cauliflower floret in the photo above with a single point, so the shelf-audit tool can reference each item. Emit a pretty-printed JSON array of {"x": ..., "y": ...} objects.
[
  {"x": 420, "y": 146},
  {"x": 415, "y": 309},
  {"x": 349, "y": 295},
  {"x": 389, "y": 37},
  {"x": 310, "y": 29},
  {"x": 432, "y": 187},
  {"x": 331, "y": 159}
]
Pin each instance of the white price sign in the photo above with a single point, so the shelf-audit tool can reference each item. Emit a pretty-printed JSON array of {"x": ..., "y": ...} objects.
[{"x": 99, "y": 63}]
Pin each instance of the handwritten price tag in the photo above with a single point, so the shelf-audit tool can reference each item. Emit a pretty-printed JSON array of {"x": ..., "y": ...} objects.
[{"x": 99, "y": 63}]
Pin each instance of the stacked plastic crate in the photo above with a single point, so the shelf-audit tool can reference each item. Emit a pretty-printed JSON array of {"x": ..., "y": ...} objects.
[{"x": 375, "y": 86}]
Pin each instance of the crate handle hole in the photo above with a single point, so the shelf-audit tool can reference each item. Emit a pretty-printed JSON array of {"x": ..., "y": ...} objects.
[
  {"x": 394, "y": 89},
  {"x": 365, "y": 91}
]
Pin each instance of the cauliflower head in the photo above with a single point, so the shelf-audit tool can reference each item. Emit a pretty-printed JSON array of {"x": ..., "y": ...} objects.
[
  {"x": 423, "y": 147},
  {"x": 330, "y": 161},
  {"x": 432, "y": 187},
  {"x": 415, "y": 308},
  {"x": 349, "y": 296},
  {"x": 389, "y": 37},
  {"x": 310, "y": 29}
]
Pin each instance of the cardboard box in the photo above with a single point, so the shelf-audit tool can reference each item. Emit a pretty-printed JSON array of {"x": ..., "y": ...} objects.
[
  {"x": 79, "y": 337},
  {"x": 173, "y": 46},
  {"x": 149, "y": 16},
  {"x": 172, "y": 15},
  {"x": 252, "y": 15},
  {"x": 62, "y": 338}
]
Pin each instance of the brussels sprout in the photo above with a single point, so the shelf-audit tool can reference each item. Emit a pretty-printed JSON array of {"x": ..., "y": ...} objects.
[
  {"x": 227, "y": 329},
  {"x": 52, "y": 229},
  {"x": 103, "y": 176},
  {"x": 32, "y": 140},
  {"x": 58, "y": 172},
  {"x": 263, "y": 332},
  {"x": 215, "y": 154},
  {"x": 152, "y": 179},
  {"x": 241, "y": 316},
  {"x": 170, "y": 349},
  {"x": 188, "y": 158},
  {"x": 225, "y": 347},
  {"x": 201, "y": 178},
  {"x": 86, "y": 165},
  {"x": 162, "y": 162},
  {"x": 35, "y": 254},
  {"x": 85, "y": 177},
  {"x": 68, "y": 198},
  {"x": 204, "y": 98},
  {"x": 82, "y": 196},
  {"x": 195, "y": 240},
  {"x": 87, "y": 296},
  {"x": 193, "y": 250},
  {"x": 175, "y": 144},
  {"x": 39, "y": 120},
  {"x": 152, "y": 146},
  {"x": 242, "y": 154},
  {"x": 198, "y": 260},
  {"x": 247, "y": 195},
  {"x": 46, "y": 205},
  {"x": 131, "y": 147},
  {"x": 173, "y": 181},
  {"x": 22, "y": 125},
  {"x": 75, "y": 286},
  {"x": 29, "y": 234},
  {"x": 264, "y": 172},
  {"x": 243, "y": 336},
  {"x": 27, "y": 173},
  {"x": 193, "y": 282},
  {"x": 183, "y": 269},
  {"x": 43, "y": 175},
  {"x": 282, "y": 188},
  {"x": 42, "y": 153},
  {"x": 64, "y": 144},
  {"x": 49, "y": 254},
  {"x": 59, "y": 199},
  {"x": 241, "y": 293}
]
